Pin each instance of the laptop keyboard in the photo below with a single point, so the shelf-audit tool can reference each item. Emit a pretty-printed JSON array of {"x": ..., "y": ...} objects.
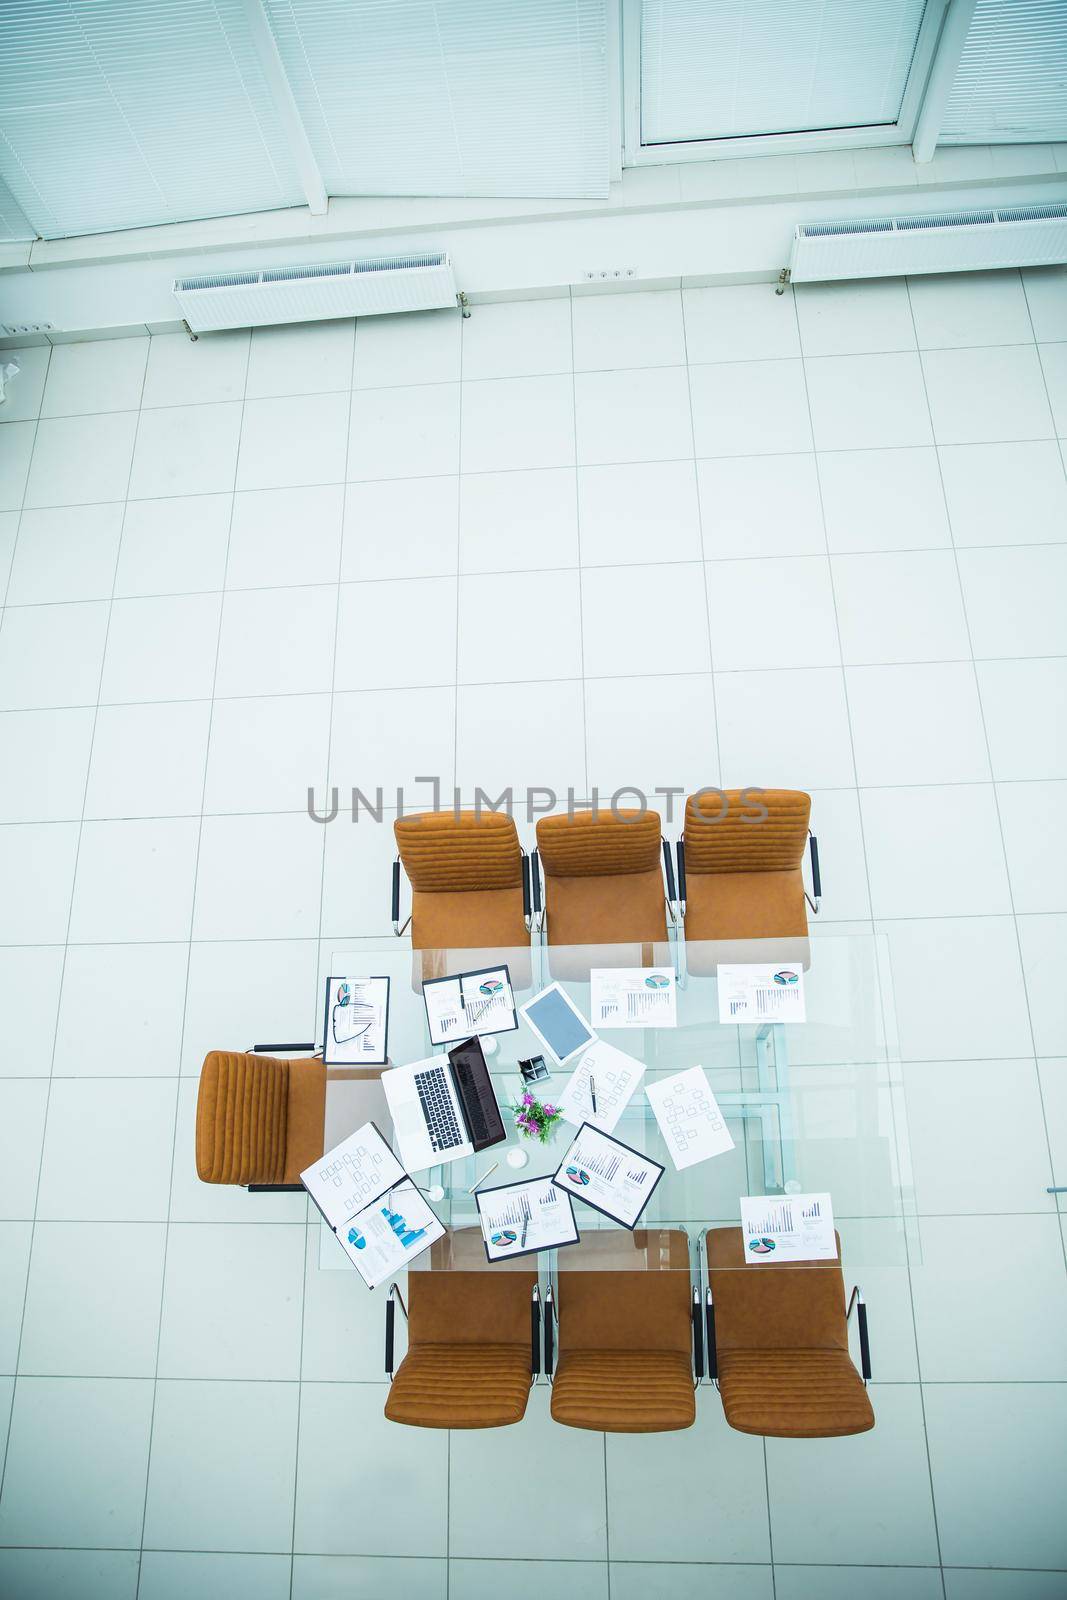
[{"x": 438, "y": 1109}]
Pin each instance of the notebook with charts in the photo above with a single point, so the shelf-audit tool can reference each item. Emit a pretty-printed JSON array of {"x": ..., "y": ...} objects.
[
  {"x": 608, "y": 1175},
  {"x": 693, "y": 1127},
  {"x": 518, "y": 1219},
  {"x": 601, "y": 1086},
  {"x": 761, "y": 993},
  {"x": 355, "y": 1030},
  {"x": 378, "y": 1215},
  {"x": 633, "y": 997},
  {"x": 481, "y": 1001},
  {"x": 788, "y": 1227}
]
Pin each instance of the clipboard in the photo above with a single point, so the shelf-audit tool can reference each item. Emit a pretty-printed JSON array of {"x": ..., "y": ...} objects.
[
  {"x": 580, "y": 1188},
  {"x": 467, "y": 1022},
  {"x": 508, "y": 1254},
  {"x": 345, "y": 1037},
  {"x": 360, "y": 1173}
]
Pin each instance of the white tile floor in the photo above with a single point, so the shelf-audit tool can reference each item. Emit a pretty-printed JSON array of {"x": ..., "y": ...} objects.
[{"x": 233, "y": 567}]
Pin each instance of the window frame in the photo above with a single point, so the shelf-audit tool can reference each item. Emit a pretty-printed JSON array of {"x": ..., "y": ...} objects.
[{"x": 636, "y": 154}]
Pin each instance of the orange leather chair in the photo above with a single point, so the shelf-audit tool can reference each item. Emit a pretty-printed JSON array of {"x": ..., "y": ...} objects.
[
  {"x": 260, "y": 1120},
  {"x": 603, "y": 883},
  {"x": 739, "y": 874},
  {"x": 470, "y": 881},
  {"x": 627, "y": 1338},
  {"x": 777, "y": 1340},
  {"x": 473, "y": 1341}
]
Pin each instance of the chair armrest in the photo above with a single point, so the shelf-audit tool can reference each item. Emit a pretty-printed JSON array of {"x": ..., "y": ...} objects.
[
  {"x": 269, "y": 1049},
  {"x": 679, "y": 851},
  {"x": 698, "y": 1336},
  {"x": 550, "y": 1332},
  {"x": 526, "y": 916},
  {"x": 535, "y": 1332},
  {"x": 395, "y": 908},
  {"x": 390, "y": 1324},
  {"x": 816, "y": 877},
  {"x": 856, "y": 1299},
  {"x": 535, "y": 891},
  {"x": 709, "y": 1322},
  {"x": 672, "y": 893}
]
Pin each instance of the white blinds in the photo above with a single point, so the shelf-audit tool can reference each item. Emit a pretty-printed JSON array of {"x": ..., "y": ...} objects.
[
  {"x": 451, "y": 97},
  {"x": 13, "y": 223},
  {"x": 719, "y": 69},
  {"x": 1011, "y": 84},
  {"x": 125, "y": 113}
]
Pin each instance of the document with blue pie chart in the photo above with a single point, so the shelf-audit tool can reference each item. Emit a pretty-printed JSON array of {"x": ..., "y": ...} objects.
[
  {"x": 633, "y": 997},
  {"x": 518, "y": 1219},
  {"x": 481, "y": 1001},
  {"x": 371, "y": 1205},
  {"x": 608, "y": 1175},
  {"x": 787, "y": 1227}
]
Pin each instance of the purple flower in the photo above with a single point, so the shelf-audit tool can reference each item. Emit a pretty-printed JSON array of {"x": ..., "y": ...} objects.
[
  {"x": 527, "y": 1099},
  {"x": 550, "y": 1111}
]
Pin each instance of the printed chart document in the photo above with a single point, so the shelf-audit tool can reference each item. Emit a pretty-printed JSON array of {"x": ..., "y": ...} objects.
[
  {"x": 791, "y": 1227},
  {"x": 607, "y": 1075},
  {"x": 374, "y": 1208},
  {"x": 518, "y": 1219},
  {"x": 355, "y": 1031},
  {"x": 761, "y": 994},
  {"x": 633, "y": 997},
  {"x": 608, "y": 1175},
  {"x": 471, "y": 1002},
  {"x": 689, "y": 1118}
]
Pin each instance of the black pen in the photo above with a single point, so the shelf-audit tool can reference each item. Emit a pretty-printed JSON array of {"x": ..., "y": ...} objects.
[{"x": 592, "y": 1092}]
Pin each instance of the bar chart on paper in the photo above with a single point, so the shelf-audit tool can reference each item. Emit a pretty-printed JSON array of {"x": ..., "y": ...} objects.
[{"x": 795, "y": 1228}]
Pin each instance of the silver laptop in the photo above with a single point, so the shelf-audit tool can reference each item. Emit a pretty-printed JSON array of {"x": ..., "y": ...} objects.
[{"x": 444, "y": 1107}]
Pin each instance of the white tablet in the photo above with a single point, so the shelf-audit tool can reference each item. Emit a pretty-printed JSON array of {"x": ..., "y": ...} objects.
[{"x": 558, "y": 1023}]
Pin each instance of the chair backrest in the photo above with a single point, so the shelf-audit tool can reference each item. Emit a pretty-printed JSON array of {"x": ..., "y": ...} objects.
[
  {"x": 733, "y": 837},
  {"x": 242, "y": 1118},
  {"x": 443, "y": 851},
  {"x": 602, "y": 845},
  {"x": 788, "y": 1306},
  {"x": 648, "y": 1308},
  {"x": 484, "y": 1307}
]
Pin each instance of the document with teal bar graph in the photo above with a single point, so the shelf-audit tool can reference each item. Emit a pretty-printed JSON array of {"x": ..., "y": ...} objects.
[
  {"x": 608, "y": 1175},
  {"x": 381, "y": 1240},
  {"x": 788, "y": 1227},
  {"x": 371, "y": 1204}
]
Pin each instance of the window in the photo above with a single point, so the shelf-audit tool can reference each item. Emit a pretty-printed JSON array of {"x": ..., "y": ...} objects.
[
  {"x": 1011, "y": 83},
  {"x": 715, "y": 71}
]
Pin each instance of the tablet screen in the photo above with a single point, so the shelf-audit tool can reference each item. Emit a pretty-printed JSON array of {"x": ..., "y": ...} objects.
[{"x": 558, "y": 1023}]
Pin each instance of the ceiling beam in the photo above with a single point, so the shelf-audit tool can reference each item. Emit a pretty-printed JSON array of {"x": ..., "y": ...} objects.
[
  {"x": 954, "y": 32},
  {"x": 281, "y": 94}
]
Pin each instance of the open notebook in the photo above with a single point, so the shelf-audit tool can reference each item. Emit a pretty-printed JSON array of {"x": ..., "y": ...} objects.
[{"x": 379, "y": 1216}]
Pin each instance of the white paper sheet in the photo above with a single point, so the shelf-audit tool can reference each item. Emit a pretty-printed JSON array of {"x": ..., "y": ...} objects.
[
  {"x": 384, "y": 1237},
  {"x": 357, "y": 1014},
  {"x": 352, "y": 1174},
  {"x": 791, "y": 1227},
  {"x": 693, "y": 1127},
  {"x": 608, "y": 1175},
  {"x": 614, "y": 1076},
  {"x": 758, "y": 993},
  {"x": 518, "y": 1218},
  {"x": 633, "y": 997}
]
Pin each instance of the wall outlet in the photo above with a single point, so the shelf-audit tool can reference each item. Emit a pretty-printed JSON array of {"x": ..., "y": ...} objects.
[
  {"x": 595, "y": 274},
  {"x": 15, "y": 330}
]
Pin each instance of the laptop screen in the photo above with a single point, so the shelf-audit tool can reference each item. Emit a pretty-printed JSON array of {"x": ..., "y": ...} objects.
[{"x": 477, "y": 1096}]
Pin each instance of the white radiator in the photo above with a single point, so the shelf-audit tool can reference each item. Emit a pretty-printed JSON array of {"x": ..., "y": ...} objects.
[
  {"x": 309, "y": 293},
  {"x": 960, "y": 241}
]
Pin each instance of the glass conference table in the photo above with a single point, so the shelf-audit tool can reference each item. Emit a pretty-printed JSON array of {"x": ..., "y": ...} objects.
[{"x": 815, "y": 1107}]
